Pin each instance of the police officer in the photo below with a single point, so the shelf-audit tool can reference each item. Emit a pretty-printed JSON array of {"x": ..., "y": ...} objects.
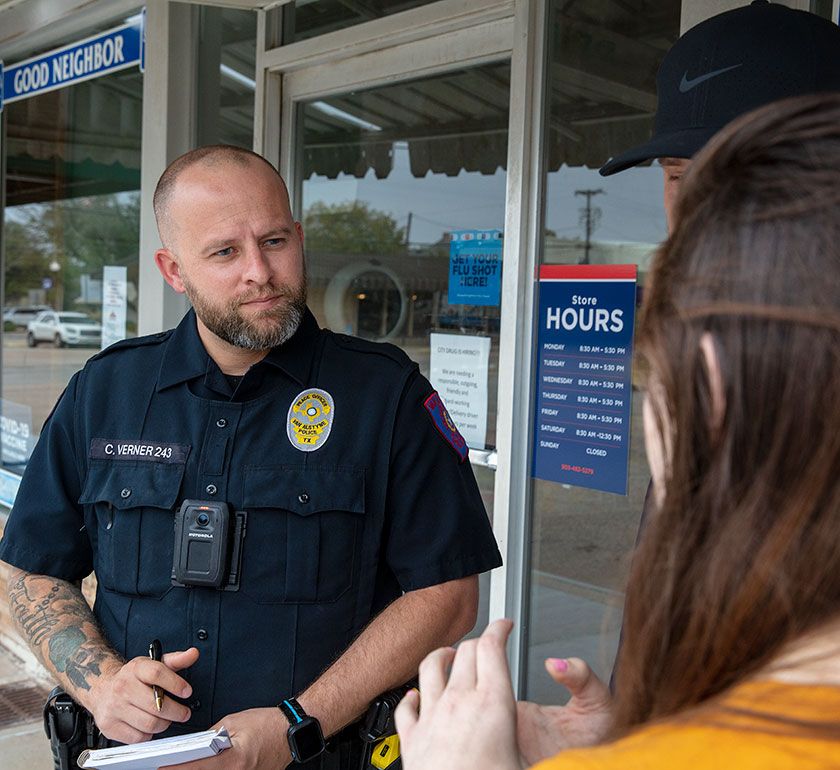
[{"x": 353, "y": 526}]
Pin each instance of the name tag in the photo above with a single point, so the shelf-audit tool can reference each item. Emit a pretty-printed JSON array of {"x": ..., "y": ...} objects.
[{"x": 151, "y": 451}]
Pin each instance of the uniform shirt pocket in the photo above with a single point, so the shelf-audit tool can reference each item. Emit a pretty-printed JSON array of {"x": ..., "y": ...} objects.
[
  {"x": 304, "y": 523},
  {"x": 133, "y": 505}
]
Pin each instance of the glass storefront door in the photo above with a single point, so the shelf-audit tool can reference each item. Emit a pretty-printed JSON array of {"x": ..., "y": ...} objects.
[
  {"x": 401, "y": 192},
  {"x": 601, "y": 100}
]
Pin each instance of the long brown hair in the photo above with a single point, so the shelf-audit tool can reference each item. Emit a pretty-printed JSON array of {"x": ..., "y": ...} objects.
[{"x": 743, "y": 554}]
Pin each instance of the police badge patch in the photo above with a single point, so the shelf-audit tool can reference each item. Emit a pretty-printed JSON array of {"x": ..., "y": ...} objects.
[
  {"x": 310, "y": 419},
  {"x": 445, "y": 426}
]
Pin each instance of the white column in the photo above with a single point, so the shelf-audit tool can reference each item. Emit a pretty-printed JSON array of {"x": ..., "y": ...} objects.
[
  {"x": 509, "y": 586},
  {"x": 168, "y": 130}
]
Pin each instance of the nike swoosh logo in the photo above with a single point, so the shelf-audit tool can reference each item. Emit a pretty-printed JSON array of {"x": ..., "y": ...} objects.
[{"x": 686, "y": 85}]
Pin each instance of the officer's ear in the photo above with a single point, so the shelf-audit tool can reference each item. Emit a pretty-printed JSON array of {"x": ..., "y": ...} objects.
[
  {"x": 299, "y": 228},
  {"x": 169, "y": 268}
]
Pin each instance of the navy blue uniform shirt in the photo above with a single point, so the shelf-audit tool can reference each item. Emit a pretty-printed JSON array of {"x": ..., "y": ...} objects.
[{"x": 385, "y": 505}]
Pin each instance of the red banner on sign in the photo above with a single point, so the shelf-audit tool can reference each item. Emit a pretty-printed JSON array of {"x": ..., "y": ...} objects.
[{"x": 588, "y": 272}]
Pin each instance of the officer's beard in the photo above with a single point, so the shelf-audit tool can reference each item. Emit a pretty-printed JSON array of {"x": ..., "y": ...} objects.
[{"x": 268, "y": 329}]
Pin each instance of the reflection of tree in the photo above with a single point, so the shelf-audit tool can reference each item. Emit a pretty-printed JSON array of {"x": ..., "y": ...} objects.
[
  {"x": 352, "y": 228},
  {"x": 26, "y": 261},
  {"x": 82, "y": 235}
]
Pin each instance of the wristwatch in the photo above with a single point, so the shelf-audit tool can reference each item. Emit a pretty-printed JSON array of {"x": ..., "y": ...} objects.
[{"x": 305, "y": 737}]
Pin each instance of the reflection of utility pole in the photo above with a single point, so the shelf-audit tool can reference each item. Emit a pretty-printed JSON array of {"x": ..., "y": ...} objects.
[
  {"x": 589, "y": 218},
  {"x": 408, "y": 229}
]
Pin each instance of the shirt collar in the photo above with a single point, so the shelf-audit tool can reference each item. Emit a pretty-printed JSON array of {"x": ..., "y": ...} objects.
[{"x": 185, "y": 356}]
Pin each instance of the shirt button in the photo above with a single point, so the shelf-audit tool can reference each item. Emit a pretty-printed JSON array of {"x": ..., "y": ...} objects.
[
  {"x": 202, "y": 635},
  {"x": 211, "y": 489},
  {"x": 195, "y": 705},
  {"x": 125, "y": 493},
  {"x": 221, "y": 422},
  {"x": 303, "y": 498}
]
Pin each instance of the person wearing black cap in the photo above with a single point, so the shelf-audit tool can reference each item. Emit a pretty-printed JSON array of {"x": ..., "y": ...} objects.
[
  {"x": 720, "y": 69},
  {"x": 723, "y": 68}
]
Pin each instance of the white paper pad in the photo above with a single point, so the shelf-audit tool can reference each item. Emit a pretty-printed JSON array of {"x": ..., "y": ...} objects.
[{"x": 161, "y": 753}]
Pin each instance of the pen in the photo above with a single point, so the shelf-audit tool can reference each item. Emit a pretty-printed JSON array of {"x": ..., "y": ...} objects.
[{"x": 155, "y": 653}]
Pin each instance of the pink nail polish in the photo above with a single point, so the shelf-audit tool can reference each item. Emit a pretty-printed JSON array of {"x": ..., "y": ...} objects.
[{"x": 559, "y": 664}]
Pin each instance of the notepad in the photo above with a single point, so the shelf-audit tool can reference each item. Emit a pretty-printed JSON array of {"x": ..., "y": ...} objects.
[{"x": 161, "y": 753}]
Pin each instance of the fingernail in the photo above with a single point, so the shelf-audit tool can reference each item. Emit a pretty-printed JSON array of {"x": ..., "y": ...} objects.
[
  {"x": 559, "y": 664},
  {"x": 186, "y": 692}
]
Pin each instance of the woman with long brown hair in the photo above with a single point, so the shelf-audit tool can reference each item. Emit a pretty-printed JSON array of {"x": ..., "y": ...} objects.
[{"x": 731, "y": 653}]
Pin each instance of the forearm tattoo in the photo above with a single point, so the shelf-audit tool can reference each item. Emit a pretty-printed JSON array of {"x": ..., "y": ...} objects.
[{"x": 53, "y": 616}]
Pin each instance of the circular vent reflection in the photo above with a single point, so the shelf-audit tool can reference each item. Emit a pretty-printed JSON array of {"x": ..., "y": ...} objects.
[{"x": 366, "y": 300}]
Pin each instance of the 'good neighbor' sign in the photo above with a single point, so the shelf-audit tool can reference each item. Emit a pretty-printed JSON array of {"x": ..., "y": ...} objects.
[{"x": 111, "y": 51}]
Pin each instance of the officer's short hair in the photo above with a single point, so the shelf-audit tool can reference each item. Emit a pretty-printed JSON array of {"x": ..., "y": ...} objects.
[{"x": 209, "y": 155}]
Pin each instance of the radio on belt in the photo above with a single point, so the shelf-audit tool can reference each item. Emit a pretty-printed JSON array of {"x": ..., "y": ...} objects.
[{"x": 208, "y": 545}]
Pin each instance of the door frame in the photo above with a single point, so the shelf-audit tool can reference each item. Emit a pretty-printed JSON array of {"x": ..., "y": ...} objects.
[{"x": 434, "y": 39}]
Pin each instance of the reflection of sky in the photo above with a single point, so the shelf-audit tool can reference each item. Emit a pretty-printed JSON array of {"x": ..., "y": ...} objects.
[
  {"x": 631, "y": 206},
  {"x": 23, "y": 212},
  {"x": 437, "y": 203}
]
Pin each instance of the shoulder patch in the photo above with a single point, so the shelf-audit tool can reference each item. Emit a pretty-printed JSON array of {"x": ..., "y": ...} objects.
[
  {"x": 443, "y": 422},
  {"x": 133, "y": 342}
]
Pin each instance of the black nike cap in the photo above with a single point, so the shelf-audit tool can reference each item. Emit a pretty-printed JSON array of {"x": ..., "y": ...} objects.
[{"x": 730, "y": 64}]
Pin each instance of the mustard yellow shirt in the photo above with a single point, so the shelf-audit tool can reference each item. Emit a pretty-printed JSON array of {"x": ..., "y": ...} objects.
[{"x": 720, "y": 740}]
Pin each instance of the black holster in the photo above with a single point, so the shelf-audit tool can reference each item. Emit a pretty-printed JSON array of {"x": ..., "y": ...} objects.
[
  {"x": 378, "y": 723},
  {"x": 70, "y": 729}
]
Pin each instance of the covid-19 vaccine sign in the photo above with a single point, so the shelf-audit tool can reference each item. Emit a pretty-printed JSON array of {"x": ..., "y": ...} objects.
[{"x": 584, "y": 384}]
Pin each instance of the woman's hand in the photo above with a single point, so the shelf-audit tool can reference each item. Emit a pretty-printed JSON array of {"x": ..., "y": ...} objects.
[
  {"x": 467, "y": 720},
  {"x": 543, "y": 731}
]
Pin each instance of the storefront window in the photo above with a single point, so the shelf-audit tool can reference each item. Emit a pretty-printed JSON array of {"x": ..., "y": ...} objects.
[
  {"x": 601, "y": 100},
  {"x": 226, "y": 76},
  {"x": 303, "y": 19},
  {"x": 403, "y": 207},
  {"x": 70, "y": 230}
]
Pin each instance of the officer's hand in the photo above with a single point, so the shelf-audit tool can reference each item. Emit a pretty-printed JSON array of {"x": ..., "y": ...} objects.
[
  {"x": 468, "y": 721},
  {"x": 585, "y": 720},
  {"x": 122, "y": 701},
  {"x": 258, "y": 742}
]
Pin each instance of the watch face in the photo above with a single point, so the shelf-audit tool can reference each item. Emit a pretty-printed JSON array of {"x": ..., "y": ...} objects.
[{"x": 306, "y": 740}]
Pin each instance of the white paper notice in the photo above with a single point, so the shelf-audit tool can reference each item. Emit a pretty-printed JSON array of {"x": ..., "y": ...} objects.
[
  {"x": 459, "y": 366},
  {"x": 114, "y": 299}
]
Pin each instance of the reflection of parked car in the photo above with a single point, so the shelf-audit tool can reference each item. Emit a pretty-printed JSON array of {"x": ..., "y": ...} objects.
[
  {"x": 21, "y": 316},
  {"x": 63, "y": 329}
]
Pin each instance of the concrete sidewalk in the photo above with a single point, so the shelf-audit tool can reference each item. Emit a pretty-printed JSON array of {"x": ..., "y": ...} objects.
[{"x": 23, "y": 745}]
